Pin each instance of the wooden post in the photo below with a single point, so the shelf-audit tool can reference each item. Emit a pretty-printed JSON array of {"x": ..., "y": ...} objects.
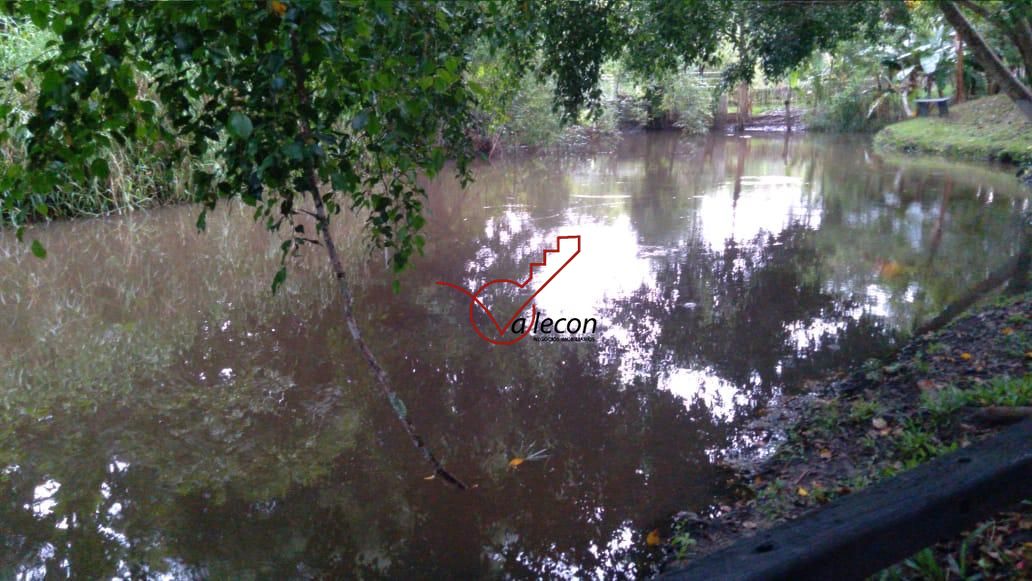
[
  {"x": 959, "y": 80},
  {"x": 788, "y": 111}
]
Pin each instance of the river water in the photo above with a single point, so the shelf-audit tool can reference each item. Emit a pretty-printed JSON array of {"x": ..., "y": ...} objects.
[{"x": 163, "y": 415}]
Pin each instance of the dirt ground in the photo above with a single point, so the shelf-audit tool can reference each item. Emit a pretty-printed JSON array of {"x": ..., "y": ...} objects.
[{"x": 941, "y": 391}]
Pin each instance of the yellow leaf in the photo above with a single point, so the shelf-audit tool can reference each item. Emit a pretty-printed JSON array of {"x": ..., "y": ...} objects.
[
  {"x": 965, "y": 356},
  {"x": 826, "y": 454},
  {"x": 278, "y": 7},
  {"x": 1007, "y": 330},
  {"x": 1028, "y": 354},
  {"x": 890, "y": 269},
  {"x": 802, "y": 491},
  {"x": 515, "y": 462},
  {"x": 652, "y": 539}
]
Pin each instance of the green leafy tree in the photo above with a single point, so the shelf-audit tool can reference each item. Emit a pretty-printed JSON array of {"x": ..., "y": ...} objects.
[
  {"x": 1012, "y": 19},
  {"x": 308, "y": 107}
]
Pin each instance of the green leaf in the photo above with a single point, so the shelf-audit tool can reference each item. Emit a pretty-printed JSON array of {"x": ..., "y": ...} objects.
[
  {"x": 930, "y": 62},
  {"x": 99, "y": 168},
  {"x": 240, "y": 125},
  {"x": 360, "y": 121},
  {"x": 38, "y": 250},
  {"x": 281, "y": 275}
]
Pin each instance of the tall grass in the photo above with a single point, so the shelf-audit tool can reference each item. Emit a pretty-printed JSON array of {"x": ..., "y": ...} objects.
[{"x": 139, "y": 176}]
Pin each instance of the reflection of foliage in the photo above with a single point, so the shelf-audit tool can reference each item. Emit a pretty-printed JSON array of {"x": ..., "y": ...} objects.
[
  {"x": 743, "y": 312},
  {"x": 270, "y": 463}
]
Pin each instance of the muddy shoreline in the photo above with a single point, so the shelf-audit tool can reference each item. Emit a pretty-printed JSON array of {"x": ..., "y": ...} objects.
[{"x": 940, "y": 391}]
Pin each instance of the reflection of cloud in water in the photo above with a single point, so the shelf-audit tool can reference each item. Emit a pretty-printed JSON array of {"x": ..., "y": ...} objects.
[
  {"x": 611, "y": 557},
  {"x": 43, "y": 501},
  {"x": 607, "y": 267},
  {"x": 767, "y": 204},
  {"x": 718, "y": 395}
]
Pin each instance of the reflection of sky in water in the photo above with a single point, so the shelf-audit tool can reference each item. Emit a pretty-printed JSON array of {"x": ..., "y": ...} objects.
[
  {"x": 766, "y": 204},
  {"x": 613, "y": 264},
  {"x": 715, "y": 297}
]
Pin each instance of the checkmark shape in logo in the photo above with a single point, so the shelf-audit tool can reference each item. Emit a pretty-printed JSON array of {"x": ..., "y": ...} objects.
[{"x": 497, "y": 336}]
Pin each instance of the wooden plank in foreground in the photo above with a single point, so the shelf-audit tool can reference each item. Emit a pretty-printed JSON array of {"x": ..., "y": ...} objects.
[{"x": 860, "y": 534}]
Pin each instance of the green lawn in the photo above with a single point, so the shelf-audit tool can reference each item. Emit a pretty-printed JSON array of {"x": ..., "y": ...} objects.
[{"x": 990, "y": 128}]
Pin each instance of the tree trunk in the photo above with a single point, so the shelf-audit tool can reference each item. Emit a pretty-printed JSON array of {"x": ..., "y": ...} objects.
[
  {"x": 994, "y": 67},
  {"x": 959, "y": 80},
  {"x": 904, "y": 96},
  {"x": 743, "y": 106},
  {"x": 1019, "y": 32},
  {"x": 311, "y": 181}
]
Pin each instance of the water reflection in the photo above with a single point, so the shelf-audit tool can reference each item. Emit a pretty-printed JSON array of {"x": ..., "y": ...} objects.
[{"x": 162, "y": 415}]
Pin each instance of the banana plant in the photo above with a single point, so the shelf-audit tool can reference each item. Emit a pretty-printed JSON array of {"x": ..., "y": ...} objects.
[{"x": 926, "y": 50}]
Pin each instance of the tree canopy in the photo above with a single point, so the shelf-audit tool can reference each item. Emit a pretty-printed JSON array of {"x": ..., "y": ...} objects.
[
  {"x": 367, "y": 94},
  {"x": 346, "y": 103}
]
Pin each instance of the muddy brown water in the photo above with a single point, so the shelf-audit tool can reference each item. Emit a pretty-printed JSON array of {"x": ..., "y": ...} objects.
[{"x": 162, "y": 415}]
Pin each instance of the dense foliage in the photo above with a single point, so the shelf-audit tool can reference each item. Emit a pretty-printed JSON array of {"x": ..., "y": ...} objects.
[
  {"x": 383, "y": 88},
  {"x": 361, "y": 96}
]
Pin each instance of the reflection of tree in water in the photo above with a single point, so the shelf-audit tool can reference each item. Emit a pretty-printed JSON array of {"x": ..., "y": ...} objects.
[
  {"x": 743, "y": 312},
  {"x": 285, "y": 466}
]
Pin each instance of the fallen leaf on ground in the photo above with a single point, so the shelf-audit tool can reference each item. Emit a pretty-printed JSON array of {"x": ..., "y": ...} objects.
[
  {"x": 802, "y": 491},
  {"x": 515, "y": 462},
  {"x": 879, "y": 423},
  {"x": 652, "y": 539},
  {"x": 1007, "y": 330},
  {"x": 431, "y": 477},
  {"x": 927, "y": 385},
  {"x": 965, "y": 356},
  {"x": 749, "y": 524},
  {"x": 826, "y": 454}
]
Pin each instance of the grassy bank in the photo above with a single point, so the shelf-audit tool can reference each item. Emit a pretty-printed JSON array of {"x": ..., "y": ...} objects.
[
  {"x": 989, "y": 129},
  {"x": 935, "y": 395}
]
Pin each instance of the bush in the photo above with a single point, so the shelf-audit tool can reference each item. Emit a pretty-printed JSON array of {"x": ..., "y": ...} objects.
[
  {"x": 137, "y": 176},
  {"x": 531, "y": 119},
  {"x": 688, "y": 102},
  {"x": 621, "y": 111},
  {"x": 847, "y": 111}
]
